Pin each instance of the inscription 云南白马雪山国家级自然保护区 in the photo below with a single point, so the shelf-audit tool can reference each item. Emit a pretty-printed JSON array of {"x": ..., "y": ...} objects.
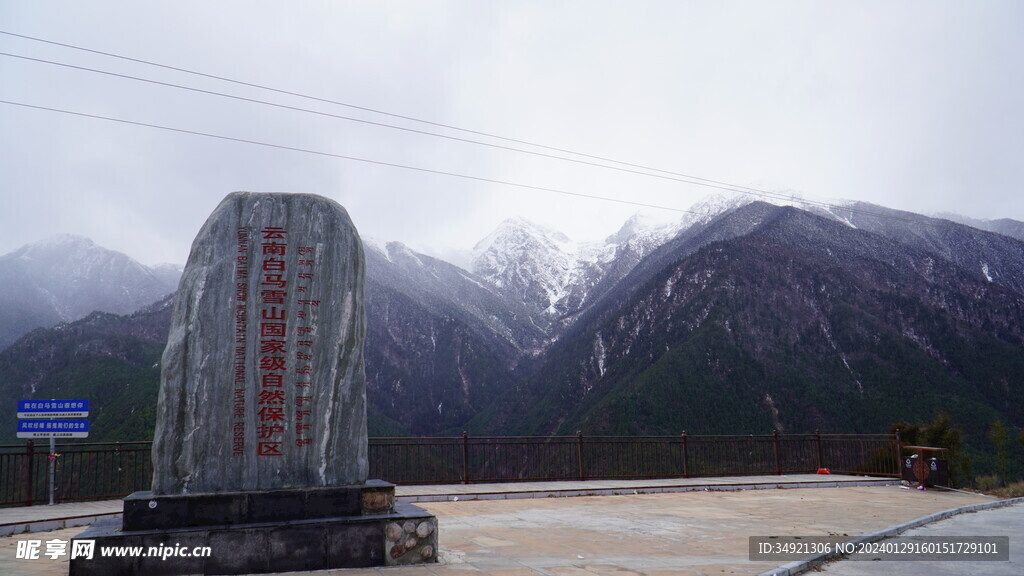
[{"x": 263, "y": 383}]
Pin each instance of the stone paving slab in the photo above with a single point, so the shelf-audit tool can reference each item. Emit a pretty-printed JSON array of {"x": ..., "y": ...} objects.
[
  {"x": 682, "y": 533},
  {"x": 44, "y": 517}
]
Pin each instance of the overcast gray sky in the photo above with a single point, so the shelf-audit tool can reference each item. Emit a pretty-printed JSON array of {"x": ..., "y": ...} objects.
[{"x": 913, "y": 105}]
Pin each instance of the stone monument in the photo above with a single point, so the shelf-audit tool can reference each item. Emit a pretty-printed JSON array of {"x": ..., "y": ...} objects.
[{"x": 260, "y": 447}]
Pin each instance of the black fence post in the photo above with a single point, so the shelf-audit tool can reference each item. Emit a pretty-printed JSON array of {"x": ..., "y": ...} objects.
[
  {"x": 465, "y": 457},
  {"x": 778, "y": 462},
  {"x": 29, "y": 450},
  {"x": 821, "y": 460},
  {"x": 686, "y": 457},
  {"x": 118, "y": 477},
  {"x": 579, "y": 453},
  {"x": 899, "y": 453}
]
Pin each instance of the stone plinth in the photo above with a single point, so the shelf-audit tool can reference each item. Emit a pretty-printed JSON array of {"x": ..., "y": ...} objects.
[{"x": 260, "y": 532}]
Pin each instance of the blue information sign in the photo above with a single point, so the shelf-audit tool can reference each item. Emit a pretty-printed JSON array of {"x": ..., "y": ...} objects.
[
  {"x": 53, "y": 408},
  {"x": 53, "y": 429}
]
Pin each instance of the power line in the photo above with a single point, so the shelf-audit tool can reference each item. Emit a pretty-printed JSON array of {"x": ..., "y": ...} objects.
[
  {"x": 687, "y": 180},
  {"x": 633, "y": 168},
  {"x": 677, "y": 175},
  {"x": 404, "y": 166},
  {"x": 345, "y": 157},
  {"x": 697, "y": 182}
]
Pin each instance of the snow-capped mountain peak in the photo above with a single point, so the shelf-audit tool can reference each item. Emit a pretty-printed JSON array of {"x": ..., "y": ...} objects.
[
  {"x": 517, "y": 232},
  {"x": 47, "y": 248},
  {"x": 552, "y": 275},
  {"x": 525, "y": 259}
]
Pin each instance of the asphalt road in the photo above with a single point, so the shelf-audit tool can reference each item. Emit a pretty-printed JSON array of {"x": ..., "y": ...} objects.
[{"x": 1006, "y": 521}]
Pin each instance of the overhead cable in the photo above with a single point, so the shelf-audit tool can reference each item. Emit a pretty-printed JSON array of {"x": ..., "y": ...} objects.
[
  {"x": 671, "y": 175},
  {"x": 345, "y": 157}
]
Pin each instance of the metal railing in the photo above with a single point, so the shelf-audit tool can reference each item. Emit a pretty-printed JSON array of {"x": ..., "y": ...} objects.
[
  {"x": 100, "y": 471},
  {"x": 82, "y": 471},
  {"x": 469, "y": 459}
]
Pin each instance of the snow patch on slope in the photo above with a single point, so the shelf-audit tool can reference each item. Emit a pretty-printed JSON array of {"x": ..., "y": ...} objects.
[{"x": 544, "y": 267}]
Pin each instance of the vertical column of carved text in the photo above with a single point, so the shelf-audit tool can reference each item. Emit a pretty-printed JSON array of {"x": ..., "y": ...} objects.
[
  {"x": 241, "y": 329},
  {"x": 303, "y": 354},
  {"x": 273, "y": 342}
]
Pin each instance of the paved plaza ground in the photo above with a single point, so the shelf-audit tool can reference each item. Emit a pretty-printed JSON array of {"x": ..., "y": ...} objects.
[{"x": 665, "y": 528}]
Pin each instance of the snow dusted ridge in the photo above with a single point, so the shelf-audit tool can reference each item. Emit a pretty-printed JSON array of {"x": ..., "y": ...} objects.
[
  {"x": 717, "y": 204},
  {"x": 65, "y": 277},
  {"x": 75, "y": 272},
  {"x": 554, "y": 276},
  {"x": 544, "y": 269},
  {"x": 712, "y": 206}
]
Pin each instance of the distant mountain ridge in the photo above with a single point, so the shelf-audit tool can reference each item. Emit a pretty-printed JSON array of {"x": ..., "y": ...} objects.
[
  {"x": 773, "y": 317},
  {"x": 1004, "y": 226},
  {"x": 993, "y": 256},
  {"x": 741, "y": 317},
  {"x": 64, "y": 278}
]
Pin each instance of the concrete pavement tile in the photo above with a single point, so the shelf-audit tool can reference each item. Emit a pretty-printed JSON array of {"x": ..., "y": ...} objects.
[
  {"x": 487, "y": 562},
  {"x": 569, "y": 571},
  {"x": 610, "y": 570},
  {"x": 454, "y": 570},
  {"x": 489, "y": 542}
]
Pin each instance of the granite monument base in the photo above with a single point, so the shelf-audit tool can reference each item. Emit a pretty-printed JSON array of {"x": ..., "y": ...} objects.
[{"x": 259, "y": 532}]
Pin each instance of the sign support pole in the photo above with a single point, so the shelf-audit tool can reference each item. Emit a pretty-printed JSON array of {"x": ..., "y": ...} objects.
[
  {"x": 53, "y": 466},
  {"x": 53, "y": 462}
]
